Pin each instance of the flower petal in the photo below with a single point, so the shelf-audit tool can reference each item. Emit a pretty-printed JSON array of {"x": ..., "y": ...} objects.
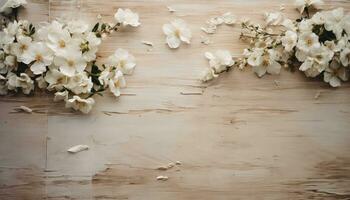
[
  {"x": 274, "y": 68},
  {"x": 38, "y": 68},
  {"x": 260, "y": 71},
  {"x": 173, "y": 41},
  {"x": 168, "y": 29},
  {"x": 334, "y": 82}
]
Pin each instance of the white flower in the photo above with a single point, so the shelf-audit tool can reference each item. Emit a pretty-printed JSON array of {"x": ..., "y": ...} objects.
[
  {"x": 60, "y": 41},
  {"x": 56, "y": 79},
  {"x": 332, "y": 46},
  {"x": 220, "y": 60},
  {"x": 7, "y": 7},
  {"x": 5, "y": 38},
  {"x": 308, "y": 41},
  {"x": 311, "y": 68},
  {"x": 12, "y": 28},
  {"x": 335, "y": 21},
  {"x": 268, "y": 64},
  {"x": 319, "y": 18},
  {"x": 273, "y": 18},
  {"x": 317, "y": 61},
  {"x": 89, "y": 46},
  {"x": 302, "y": 4},
  {"x": 70, "y": 62},
  {"x": 41, "y": 82},
  {"x": 47, "y": 29},
  {"x": 77, "y": 26},
  {"x": 345, "y": 57},
  {"x": 346, "y": 24},
  {"x": 208, "y": 75},
  {"x": 116, "y": 82},
  {"x": 254, "y": 58},
  {"x": 281, "y": 54},
  {"x": 105, "y": 75},
  {"x": 305, "y": 26},
  {"x": 3, "y": 67},
  {"x": 127, "y": 17},
  {"x": 335, "y": 73},
  {"x": 289, "y": 40},
  {"x": 123, "y": 60},
  {"x": 176, "y": 32},
  {"x": 79, "y": 84},
  {"x": 229, "y": 19},
  {"x": 22, "y": 28},
  {"x": 322, "y": 55},
  {"x": 3, "y": 86},
  {"x": 83, "y": 105},
  {"x": 61, "y": 96},
  {"x": 21, "y": 47},
  {"x": 11, "y": 81},
  {"x": 40, "y": 54},
  {"x": 301, "y": 55},
  {"x": 10, "y": 61},
  {"x": 25, "y": 83},
  {"x": 289, "y": 25}
]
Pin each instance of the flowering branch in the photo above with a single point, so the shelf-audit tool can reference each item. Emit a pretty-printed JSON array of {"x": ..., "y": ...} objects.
[
  {"x": 318, "y": 45},
  {"x": 61, "y": 57}
]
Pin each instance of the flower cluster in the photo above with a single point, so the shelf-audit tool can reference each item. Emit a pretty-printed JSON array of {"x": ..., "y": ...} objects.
[
  {"x": 219, "y": 62},
  {"x": 9, "y": 5},
  {"x": 61, "y": 57},
  {"x": 317, "y": 45},
  {"x": 177, "y": 31}
]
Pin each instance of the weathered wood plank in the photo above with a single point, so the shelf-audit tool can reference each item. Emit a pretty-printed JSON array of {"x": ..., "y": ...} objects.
[{"x": 238, "y": 137}]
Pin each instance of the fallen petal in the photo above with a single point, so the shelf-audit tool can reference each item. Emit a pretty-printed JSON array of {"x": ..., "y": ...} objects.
[
  {"x": 147, "y": 43},
  {"x": 78, "y": 148},
  {"x": 25, "y": 109},
  {"x": 162, "y": 168},
  {"x": 168, "y": 166},
  {"x": 162, "y": 178},
  {"x": 171, "y": 9},
  {"x": 210, "y": 29},
  {"x": 317, "y": 95},
  {"x": 205, "y": 40}
]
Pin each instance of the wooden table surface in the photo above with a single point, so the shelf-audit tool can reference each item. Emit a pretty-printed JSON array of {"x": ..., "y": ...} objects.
[{"x": 238, "y": 137}]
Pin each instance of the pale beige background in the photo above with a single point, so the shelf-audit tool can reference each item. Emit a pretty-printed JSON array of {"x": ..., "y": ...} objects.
[{"x": 239, "y": 137}]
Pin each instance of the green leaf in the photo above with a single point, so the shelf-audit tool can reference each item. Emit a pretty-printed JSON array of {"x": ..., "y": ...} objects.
[
  {"x": 95, "y": 27},
  {"x": 32, "y": 31},
  {"x": 103, "y": 26}
]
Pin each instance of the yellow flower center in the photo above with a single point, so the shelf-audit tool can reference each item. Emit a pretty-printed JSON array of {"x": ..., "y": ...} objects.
[
  {"x": 39, "y": 57},
  {"x": 265, "y": 63},
  {"x": 122, "y": 63},
  {"x": 23, "y": 47},
  {"x": 309, "y": 42},
  {"x": 70, "y": 63},
  {"x": 62, "y": 43},
  {"x": 177, "y": 33}
]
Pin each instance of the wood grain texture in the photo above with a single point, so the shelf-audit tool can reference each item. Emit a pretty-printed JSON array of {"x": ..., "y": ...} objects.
[{"x": 238, "y": 137}]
